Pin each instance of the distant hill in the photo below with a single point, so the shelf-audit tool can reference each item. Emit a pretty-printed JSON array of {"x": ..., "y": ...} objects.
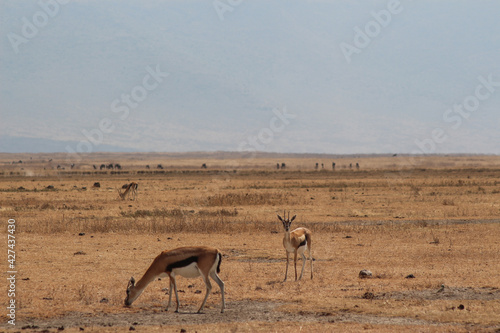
[{"x": 11, "y": 144}]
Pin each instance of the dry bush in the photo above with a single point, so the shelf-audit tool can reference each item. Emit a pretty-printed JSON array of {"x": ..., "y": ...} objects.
[
  {"x": 141, "y": 213},
  {"x": 220, "y": 221},
  {"x": 448, "y": 202},
  {"x": 249, "y": 199},
  {"x": 220, "y": 212},
  {"x": 86, "y": 294}
]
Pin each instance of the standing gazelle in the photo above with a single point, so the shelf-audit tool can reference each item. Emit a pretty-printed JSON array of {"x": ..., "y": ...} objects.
[
  {"x": 189, "y": 262},
  {"x": 296, "y": 242}
]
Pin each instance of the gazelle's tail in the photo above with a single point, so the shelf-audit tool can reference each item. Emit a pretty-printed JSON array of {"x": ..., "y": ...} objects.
[{"x": 220, "y": 260}]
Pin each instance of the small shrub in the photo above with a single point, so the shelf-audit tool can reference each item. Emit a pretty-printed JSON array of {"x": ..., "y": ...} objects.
[
  {"x": 247, "y": 199},
  {"x": 85, "y": 295},
  {"x": 141, "y": 213},
  {"x": 46, "y": 206},
  {"x": 415, "y": 190},
  {"x": 448, "y": 202},
  {"x": 220, "y": 212}
]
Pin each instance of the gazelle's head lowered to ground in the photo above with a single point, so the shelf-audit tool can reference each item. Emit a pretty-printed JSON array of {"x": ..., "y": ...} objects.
[{"x": 132, "y": 292}]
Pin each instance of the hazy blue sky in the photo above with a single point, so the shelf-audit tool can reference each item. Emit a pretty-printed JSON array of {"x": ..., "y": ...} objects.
[{"x": 282, "y": 76}]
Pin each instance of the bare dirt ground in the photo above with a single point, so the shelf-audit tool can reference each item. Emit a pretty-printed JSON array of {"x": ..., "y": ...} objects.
[
  {"x": 429, "y": 235},
  {"x": 90, "y": 296},
  {"x": 250, "y": 313}
]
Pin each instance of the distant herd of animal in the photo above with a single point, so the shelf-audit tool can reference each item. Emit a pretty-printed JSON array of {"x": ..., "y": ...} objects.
[{"x": 117, "y": 166}]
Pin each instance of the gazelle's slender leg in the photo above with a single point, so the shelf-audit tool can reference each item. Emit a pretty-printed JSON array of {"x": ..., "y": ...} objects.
[
  {"x": 176, "y": 295},
  {"x": 286, "y": 271},
  {"x": 170, "y": 293},
  {"x": 209, "y": 289},
  {"x": 295, "y": 263},
  {"x": 304, "y": 261},
  {"x": 217, "y": 279},
  {"x": 311, "y": 258}
]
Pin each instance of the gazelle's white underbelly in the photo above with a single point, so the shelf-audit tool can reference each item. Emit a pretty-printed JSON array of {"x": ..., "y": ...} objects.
[
  {"x": 189, "y": 271},
  {"x": 291, "y": 249}
]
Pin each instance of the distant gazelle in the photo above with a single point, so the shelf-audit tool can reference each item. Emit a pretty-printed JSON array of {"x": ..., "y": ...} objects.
[
  {"x": 129, "y": 189},
  {"x": 296, "y": 242},
  {"x": 189, "y": 262}
]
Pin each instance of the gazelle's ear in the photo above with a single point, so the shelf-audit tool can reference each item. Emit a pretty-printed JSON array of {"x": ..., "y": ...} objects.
[
  {"x": 293, "y": 218},
  {"x": 131, "y": 283},
  {"x": 279, "y": 217}
]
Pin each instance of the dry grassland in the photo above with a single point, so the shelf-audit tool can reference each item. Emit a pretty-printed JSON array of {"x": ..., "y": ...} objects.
[{"x": 77, "y": 245}]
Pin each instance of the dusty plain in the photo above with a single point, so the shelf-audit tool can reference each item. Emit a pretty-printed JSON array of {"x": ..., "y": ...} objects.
[{"x": 426, "y": 227}]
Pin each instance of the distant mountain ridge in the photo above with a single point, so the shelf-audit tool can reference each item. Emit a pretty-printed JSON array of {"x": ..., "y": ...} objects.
[{"x": 11, "y": 144}]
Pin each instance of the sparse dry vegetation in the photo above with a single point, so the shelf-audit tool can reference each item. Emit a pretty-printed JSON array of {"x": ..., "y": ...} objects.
[{"x": 78, "y": 244}]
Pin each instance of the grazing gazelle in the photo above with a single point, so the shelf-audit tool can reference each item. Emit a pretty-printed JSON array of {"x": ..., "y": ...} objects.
[
  {"x": 130, "y": 189},
  {"x": 296, "y": 242},
  {"x": 189, "y": 262}
]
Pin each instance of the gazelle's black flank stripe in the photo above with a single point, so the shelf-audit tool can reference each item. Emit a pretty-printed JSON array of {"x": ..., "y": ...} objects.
[{"x": 181, "y": 263}]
